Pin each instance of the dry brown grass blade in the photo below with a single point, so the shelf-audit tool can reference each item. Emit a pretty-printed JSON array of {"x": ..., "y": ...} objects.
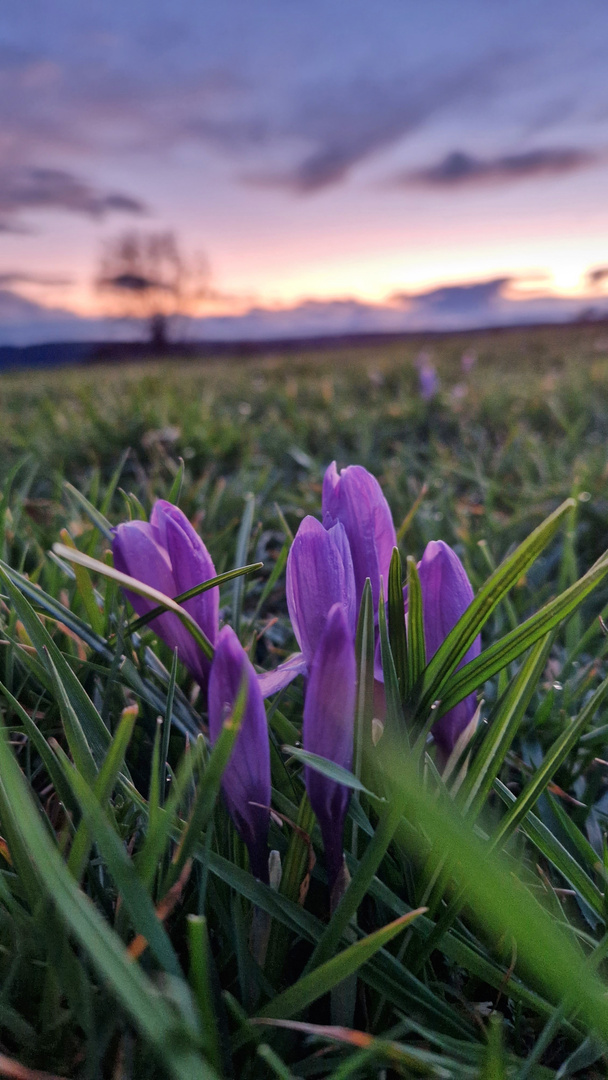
[
  {"x": 139, "y": 944},
  {"x": 15, "y": 1071}
]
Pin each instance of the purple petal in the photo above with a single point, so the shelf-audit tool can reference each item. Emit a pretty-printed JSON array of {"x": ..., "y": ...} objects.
[
  {"x": 319, "y": 575},
  {"x": 138, "y": 553},
  {"x": 270, "y": 682},
  {"x": 328, "y": 730},
  {"x": 167, "y": 554},
  {"x": 446, "y": 594},
  {"x": 246, "y": 779},
  {"x": 355, "y": 498},
  {"x": 191, "y": 564}
]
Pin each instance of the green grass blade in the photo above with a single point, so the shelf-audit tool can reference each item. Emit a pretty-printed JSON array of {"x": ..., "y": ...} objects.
[
  {"x": 375, "y": 851},
  {"x": 114, "y": 481},
  {"x": 133, "y": 894},
  {"x": 503, "y": 728},
  {"x": 416, "y": 648},
  {"x": 396, "y": 625},
  {"x": 275, "y": 574},
  {"x": 320, "y": 981},
  {"x": 392, "y": 689},
  {"x": 157, "y": 838},
  {"x": 176, "y": 487},
  {"x": 329, "y": 769},
  {"x": 86, "y": 590},
  {"x": 208, "y": 789},
  {"x": 133, "y": 585},
  {"x": 76, "y": 738},
  {"x": 364, "y": 708},
  {"x": 502, "y": 652},
  {"x": 556, "y": 853},
  {"x": 96, "y": 516},
  {"x": 58, "y": 611},
  {"x": 103, "y": 787},
  {"x": 42, "y": 747},
  {"x": 166, "y": 733},
  {"x": 157, "y": 1023},
  {"x": 242, "y": 547},
  {"x": 542, "y": 947},
  {"x": 201, "y": 962},
  {"x": 204, "y": 586},
  {"x": 96, "y": 733},
  {"x": 451, "y": 652},
  {"x": 549, "y": 765}
]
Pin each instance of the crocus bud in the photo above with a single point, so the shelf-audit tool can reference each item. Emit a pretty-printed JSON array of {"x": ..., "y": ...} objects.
[
  {"x": 246, "y": 779},
  {"x": 355, "y": 498},
  {"x": 328, "y": 730},
  {"x": 446, "y": 594},
  {"x": 319, "y": 575},
  {"x": 167, "y": 554}
]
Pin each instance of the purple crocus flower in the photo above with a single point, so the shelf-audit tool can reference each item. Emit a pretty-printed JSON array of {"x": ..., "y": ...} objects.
[
  {"x": 328, "y": 730},
  {"x": 355, "y": 498},
  {"x": 446, "y": 594},
  {"x": 246, "y": 779},
  {"x": 428, "y": 381},
  {"x": 167, "y": 554},
  {"x": 319, "y": 575}
]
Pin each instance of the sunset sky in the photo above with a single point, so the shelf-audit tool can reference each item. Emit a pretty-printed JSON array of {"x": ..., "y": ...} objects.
[{"x": 317, "y": 151}]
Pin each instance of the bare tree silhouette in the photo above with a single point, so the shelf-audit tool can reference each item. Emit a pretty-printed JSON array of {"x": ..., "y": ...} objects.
[{"x": 143, "y": 275}]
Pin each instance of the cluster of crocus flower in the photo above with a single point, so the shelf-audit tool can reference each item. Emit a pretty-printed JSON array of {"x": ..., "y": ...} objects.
[
  {"x": 328, "y": 565},
  {"x": 169, "y": 555}
]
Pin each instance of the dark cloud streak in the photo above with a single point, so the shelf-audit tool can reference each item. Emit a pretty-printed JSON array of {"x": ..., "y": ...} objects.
[
  {"x": 598, "y": 275},
  {"x": 459, "y": 169},
  {"x": 34, "y": 189},
  {"x": 17, "y": 277},
  {"x": 347, "y": 124}
]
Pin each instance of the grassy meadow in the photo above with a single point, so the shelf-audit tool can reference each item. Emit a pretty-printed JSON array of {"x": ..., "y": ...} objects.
[{"x": 472, "y": 937}]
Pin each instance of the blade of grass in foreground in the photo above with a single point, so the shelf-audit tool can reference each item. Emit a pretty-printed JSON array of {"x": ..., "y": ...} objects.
[
  {"x": 95, "y": 731},
  {"x": 133, "y": 894},
  {"x": 542, "y": 947},
  {"x": 396, "y": 625},
  {"x": 133, "y": 585},
  {"x": 204, "y": 586},
  {"x": 451, "y": 652},
  {"x": 416, "y": 648},
  {"x": 334, "y": 971},
  {"x": 103, "y": 787},
  {"x": 519, "y": 809},
  {"x": 242, "y": 547},
  {"x": 392, "y": 691},
  {"x": 503, "y": 729},
  {"x": 501, "y": 653},
  {"x": 161, "y": 1027}
]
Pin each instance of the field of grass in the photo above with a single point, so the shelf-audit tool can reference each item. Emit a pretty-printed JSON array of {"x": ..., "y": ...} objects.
[{"x": 129, "y": 920}]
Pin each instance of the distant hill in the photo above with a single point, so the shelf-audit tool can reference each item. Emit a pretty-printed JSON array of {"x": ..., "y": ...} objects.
[{"x": 13, "y": 357}]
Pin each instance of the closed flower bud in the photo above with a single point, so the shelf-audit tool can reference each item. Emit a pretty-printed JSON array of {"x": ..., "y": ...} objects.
[
  {"x": 246, "y": 778},
  {"x": 446, "y": 594},
  {"x": 355, "y": 498},
  {"x": 328, "y": 730},
  {"x": 319, "y": 575},
  {"x": 167, "y": 554}
]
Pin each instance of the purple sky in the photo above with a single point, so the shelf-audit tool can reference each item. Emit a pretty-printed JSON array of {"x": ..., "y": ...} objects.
[{"x": 339, "y": 161}]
